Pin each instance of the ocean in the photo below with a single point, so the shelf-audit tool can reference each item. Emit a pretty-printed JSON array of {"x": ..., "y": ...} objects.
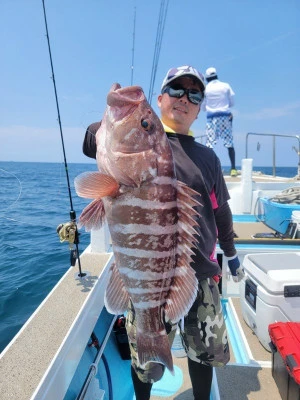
[{"x": 34, "y": 200}]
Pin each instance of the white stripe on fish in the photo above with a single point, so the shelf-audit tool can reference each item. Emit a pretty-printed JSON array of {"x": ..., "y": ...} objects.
[
  {"x": 145, "y": 275},
  {"x": 143, "y": 253},
  {"x": 146, "y": 229},
  {"x": 144, "y": 204}
]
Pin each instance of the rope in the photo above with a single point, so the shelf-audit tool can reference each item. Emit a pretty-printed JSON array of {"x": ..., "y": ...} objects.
[
  {"x": 20, "y": 191},
  {"x": 288, "y": 196}
]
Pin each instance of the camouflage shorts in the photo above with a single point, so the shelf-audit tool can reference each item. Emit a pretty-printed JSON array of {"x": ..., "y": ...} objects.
[{"x": 203, "y": 333}]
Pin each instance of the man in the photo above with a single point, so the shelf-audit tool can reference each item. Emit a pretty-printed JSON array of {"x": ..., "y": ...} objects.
[
  {"x": 219, "y": 98},
  {"x": 203, "y": 331}
]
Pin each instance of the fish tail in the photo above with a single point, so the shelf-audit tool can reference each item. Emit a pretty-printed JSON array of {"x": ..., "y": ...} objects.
[{"x": 155, "y": 349}]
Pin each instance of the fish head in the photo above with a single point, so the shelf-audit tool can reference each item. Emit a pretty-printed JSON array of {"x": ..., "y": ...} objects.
[{"x": 131, "y": 143}]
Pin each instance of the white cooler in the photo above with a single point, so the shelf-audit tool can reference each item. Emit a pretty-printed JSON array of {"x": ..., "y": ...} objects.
[{"x": 270, "y": 291}]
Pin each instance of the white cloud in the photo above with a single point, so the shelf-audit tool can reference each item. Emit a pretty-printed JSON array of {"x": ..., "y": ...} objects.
[
  {"x": 29, "y": 143},
  {"x": 273, "y": 112}
]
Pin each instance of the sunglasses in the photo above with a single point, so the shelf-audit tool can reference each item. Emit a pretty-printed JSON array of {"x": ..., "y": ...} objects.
[{"x": 193, "y": 95}]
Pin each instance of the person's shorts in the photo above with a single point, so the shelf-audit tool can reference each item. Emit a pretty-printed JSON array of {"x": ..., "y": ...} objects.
[
  {"x": 219, "y": 128},
  {"x": 203, "y": 333}
]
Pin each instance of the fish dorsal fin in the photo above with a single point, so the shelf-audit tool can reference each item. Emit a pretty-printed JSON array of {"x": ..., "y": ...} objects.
[
  {"x": 184, "y": 287},
  {"x": 116, "y": 296},
  {"x": 95, "y": 185},
  {"x": 186, "y": 195}
]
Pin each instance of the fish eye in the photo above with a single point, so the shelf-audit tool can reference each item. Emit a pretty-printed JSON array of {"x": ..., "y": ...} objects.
[{"x": 145, "y": 124}]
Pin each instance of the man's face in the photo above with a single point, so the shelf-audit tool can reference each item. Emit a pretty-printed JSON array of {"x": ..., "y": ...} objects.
[{"x": 179, "y": 113}]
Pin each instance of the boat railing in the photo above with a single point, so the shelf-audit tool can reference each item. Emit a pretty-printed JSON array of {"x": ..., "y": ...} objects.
[
  {"x": 94, "y": 366},
  {"x": 274, "y": 136}
]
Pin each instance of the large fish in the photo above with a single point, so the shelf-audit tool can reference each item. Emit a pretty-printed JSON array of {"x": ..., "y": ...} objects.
[{"x": 150, "y": 217}]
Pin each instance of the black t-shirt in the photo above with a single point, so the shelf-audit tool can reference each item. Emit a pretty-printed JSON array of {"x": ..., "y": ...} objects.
[{"x": 199, "y": 167}]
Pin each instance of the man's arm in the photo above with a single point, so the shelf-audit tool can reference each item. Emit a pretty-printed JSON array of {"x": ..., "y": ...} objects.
[
  {"x": 226, "y": 235},
  {"x": 223, "y": 217},
  {"x": 231, "y": 95}
]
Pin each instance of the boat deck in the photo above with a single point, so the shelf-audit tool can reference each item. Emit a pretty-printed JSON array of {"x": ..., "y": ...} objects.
[
  {"x": 33, "y": 350},
  {"x": 254, "y": 381},
  {"x": 236, "y": 381},
  {"x": 24, "y": 363},
  {"x": 260, "y": 177}
]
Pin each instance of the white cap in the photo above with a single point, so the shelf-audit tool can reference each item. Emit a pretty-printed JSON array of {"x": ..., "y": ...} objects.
[
  {"x": 210, "y": 72},
  {"x": 185, "y": 70}
]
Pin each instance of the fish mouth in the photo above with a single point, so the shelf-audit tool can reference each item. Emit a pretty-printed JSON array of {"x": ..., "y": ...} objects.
[{"x": 123, "y": 101}]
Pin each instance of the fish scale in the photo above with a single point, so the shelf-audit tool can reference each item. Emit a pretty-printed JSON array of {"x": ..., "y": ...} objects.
[{"x": 150, "y": 216}]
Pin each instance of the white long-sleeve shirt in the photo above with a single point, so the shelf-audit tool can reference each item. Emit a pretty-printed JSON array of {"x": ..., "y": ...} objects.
[{"x": 219, "y": 97}]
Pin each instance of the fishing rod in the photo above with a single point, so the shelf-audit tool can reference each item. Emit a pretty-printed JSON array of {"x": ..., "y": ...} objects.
[
  {"x": 133, "y": 40},
  {"x": 69, "y": 230},
  {"x": 159, "y": 36}
]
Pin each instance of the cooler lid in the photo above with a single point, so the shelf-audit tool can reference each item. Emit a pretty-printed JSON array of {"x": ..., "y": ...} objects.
[
  {"x": 274, "y": 271},
  {"x": 286, "y": 337}
]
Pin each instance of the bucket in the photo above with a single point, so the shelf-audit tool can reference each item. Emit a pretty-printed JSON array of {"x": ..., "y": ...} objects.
[
  {"x": 277, "y": 216},
  {"x": 296, "y": 220}
]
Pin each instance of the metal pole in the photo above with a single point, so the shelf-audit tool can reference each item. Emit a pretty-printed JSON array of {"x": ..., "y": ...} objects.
[
  {"x": 298, "y": 175},
  {"x": 247, "y": 144},
  {"x": 274, "y": 136},
  {"x": 94, "y": 366},
  {"x": 274, "y": 156}
]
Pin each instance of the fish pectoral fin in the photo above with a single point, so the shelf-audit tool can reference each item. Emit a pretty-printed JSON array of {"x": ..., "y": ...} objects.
[
  {"x": 95, "y": 185},
  {"x": 154, "y": 349},
  {"x": 182, "y": 293},
  {"x": 92, "y": 216},
  {"x": 116, "y": 296}
]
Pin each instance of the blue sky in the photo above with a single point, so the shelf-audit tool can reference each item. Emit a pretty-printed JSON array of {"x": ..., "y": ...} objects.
[{"x": 254, "y": 44}]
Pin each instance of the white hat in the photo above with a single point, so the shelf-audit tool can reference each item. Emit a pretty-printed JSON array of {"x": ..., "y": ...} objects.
[
  {"x": 210, "y": 72},
  {"x": 185, "y": 70}
]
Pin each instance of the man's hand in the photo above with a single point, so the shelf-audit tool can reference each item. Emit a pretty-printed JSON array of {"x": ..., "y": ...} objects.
[{"x": 236, "y": 270}]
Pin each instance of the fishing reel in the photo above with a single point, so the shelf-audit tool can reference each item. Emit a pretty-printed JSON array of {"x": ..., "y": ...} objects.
[{"x": 68, "y": 233}]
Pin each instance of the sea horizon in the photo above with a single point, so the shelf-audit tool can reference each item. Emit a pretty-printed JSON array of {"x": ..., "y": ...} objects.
[{"x": 94, "y": 161}]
